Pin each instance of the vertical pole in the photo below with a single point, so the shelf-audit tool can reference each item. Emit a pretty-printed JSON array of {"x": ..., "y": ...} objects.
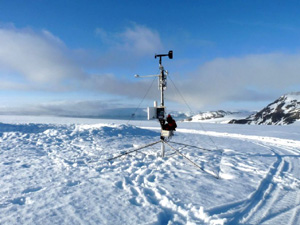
[
  {"x": 162, "y": 80},
  {"x": 162, "y": 102}
]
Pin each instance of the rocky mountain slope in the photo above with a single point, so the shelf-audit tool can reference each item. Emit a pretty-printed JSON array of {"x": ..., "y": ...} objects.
[{"x": 284, "y": 110}]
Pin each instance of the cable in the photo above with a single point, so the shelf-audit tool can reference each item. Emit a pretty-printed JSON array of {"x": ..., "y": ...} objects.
[
  {"x": 141, "y": 101},
  {"x": 193, "y": 146},
  {"x": 195, "y": 164},
  {"x": 134, "y": 150},
  {"x": 180, "y": 94},
  {"x": 202, "y": 127}
]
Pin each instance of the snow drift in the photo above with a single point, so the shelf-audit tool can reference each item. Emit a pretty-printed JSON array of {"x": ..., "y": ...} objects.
[{"x": 59, "y": 174}]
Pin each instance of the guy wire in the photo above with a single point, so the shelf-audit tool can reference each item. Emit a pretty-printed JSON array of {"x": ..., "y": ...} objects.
[
  {"x": 141, "y": 101},
  {"x": 202, "y": 127}
]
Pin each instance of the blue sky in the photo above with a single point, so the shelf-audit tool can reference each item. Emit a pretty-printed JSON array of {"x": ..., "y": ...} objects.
[{"x": 227, "y": 54}]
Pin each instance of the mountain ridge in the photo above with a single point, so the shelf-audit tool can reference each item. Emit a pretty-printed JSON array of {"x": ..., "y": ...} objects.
[{"x": 283, "y": 111}]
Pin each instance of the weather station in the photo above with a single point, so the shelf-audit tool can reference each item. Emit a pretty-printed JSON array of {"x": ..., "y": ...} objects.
[{"x": 158, "y": 112}]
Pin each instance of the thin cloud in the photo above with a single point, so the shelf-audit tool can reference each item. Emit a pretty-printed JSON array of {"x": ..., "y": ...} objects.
[
  {"x": 41, "y": 61},
  {"x": 39, "y": 57},
  {"x": 246, "y": 79},
  {"x": 113, "y": 85},
  {"x": 140, "y": 40},
  {"x": 249, "y": 78},
  {"x": 96, "y": 109},
  {"x": 275, "y": 26},
  {"x": 128, "y": 47},
  {"x": 137, "y": 39}
]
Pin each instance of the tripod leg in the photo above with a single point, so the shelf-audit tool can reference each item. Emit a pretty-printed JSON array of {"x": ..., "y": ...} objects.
[{"x": 162, "y": 149}]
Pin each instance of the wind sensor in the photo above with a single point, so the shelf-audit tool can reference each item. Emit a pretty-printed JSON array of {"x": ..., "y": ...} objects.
[{"x": 170, "y": 55}]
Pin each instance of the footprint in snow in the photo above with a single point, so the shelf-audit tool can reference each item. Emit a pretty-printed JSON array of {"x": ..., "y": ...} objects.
[
  {"x": 150, "y": 196},
  {"x": 19, "y": 201},
  {"x": 127, "y": 181},
  {"x": 161, "y": 191},
  {"x": 31, "y": 189},
  {"x": 133, "y": 201},
  {"x": 119, "y": 184},
  {"x": 139, "y": 179},
  {"x": 72, "y": 183},
  {"x": 26, "y": 166},
  {"x": 134, "y": 191},
  {"x": 138, "y": 164},
  {"x": 151, "y": 178}
]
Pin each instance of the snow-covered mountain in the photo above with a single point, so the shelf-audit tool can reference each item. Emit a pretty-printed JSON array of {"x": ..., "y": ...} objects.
[
  {"x": 219, "y": 116},
  {"x": 210, "y": 115},
  {"x": 285, "y": 110}
]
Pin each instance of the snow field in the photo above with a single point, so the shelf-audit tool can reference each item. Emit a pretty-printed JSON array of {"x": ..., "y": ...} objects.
[{"x": 59, "y": 174}]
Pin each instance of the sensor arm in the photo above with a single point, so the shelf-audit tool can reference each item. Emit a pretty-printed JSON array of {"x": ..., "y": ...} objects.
[{"x": 138, "y": 76}]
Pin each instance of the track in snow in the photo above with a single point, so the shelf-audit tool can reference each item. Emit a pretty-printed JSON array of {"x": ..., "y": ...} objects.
[
  {"x": 276, "y": 199},
  {"x": 59, "y": 174}
]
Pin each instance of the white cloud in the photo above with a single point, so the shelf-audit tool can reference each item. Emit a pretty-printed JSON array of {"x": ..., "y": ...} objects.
[
  {"x": 248, "y": 78},
  {"x": 140, "y": 40},
  {"x": 41, "y": 61},
  {"x": 136, "y": 40},
  {"x": 120, "y": 87},
  {"x": 38, "y": 60},
  {"x": 36, "y": 56}
]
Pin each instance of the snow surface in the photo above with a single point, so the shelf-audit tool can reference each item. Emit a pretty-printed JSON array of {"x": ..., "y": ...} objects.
[{"x": 55, "y": 171}]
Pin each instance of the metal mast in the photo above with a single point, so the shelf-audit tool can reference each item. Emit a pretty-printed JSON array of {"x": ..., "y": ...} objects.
[
  {"x": 162, "y": 83},
  {"x": 160, "y": 111},
  {"x": 163, "y": 86},
  {"x": 162, "y": 76}
]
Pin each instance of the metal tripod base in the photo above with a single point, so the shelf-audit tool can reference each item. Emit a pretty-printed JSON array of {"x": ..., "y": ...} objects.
[{"x": 163, "y": 142}]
